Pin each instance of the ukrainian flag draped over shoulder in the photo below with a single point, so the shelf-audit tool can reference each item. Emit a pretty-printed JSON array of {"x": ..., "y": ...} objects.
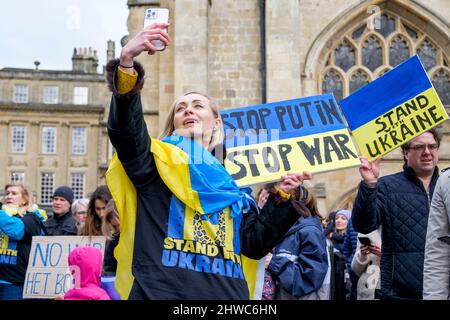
[{"x": 196, "y": 178}]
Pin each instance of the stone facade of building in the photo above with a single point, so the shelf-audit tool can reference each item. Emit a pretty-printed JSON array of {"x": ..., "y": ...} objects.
[
  {"x": 254, "y": 51},
  {"x": 241, "y": 53},
  {"x": 53, "y": 126}
]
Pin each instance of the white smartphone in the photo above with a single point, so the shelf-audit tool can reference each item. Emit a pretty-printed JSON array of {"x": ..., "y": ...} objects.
[{"x": 154, "y": 15}]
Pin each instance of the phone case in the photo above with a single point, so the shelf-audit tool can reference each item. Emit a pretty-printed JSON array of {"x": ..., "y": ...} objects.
[
  {"x": 364, "y": 240},
  {"x": 155, "y": 15}
]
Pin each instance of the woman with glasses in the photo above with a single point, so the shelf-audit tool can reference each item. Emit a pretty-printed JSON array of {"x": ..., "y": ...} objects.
[{"x": 79, "y": 211}]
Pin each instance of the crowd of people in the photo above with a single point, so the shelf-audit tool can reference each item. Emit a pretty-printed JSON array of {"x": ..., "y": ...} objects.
[{"x": 184, "y": 229}]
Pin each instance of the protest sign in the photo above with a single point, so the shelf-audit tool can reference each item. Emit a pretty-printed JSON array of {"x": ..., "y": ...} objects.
[
  {"x": 265, "y": 141},
  {"x": 48, "y": 273},
  {"x": 393, "y": 109}
]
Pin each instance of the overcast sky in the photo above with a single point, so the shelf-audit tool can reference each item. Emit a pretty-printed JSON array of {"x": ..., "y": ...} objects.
[{"x": 49, "y": 30}]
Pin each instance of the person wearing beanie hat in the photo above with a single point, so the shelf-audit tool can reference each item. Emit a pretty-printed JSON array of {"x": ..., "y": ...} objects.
[
  {"x": 62, "y": 222},
  {"x": 346, "y": 213},
  {"x": 64, "y": 192}
]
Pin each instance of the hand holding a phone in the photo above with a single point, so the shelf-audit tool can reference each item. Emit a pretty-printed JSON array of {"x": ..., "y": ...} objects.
[
  {"x": 365, "y": 249},
  {"x": 142, "y": 41},
  {"x": 376, "y": 250}
]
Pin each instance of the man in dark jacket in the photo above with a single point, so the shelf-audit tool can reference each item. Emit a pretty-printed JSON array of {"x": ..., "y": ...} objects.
[
  {"x": 62, "y": 223},
  {"x": 400, "y": 203}
]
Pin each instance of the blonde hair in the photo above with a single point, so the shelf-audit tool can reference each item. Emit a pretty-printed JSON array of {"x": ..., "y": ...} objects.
[
  {"x": 217, "y": 135},
  {"x": 25, "y": 192},
  {"x": 111, "y": 213}
]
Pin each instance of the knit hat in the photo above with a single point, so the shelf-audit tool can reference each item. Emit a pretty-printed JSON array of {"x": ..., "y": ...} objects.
[
  {"x": 64, "y": 192},
  {"x": 346, "y": 213}
]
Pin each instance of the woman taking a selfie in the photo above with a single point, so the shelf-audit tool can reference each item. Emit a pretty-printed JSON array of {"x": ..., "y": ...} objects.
[{"x": 185, "y": 225}]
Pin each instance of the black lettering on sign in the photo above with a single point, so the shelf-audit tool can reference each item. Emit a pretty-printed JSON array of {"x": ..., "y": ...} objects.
[
  {"x": 336, "y": 143},
  {"x": 263, "y": 114},
  {"x": 383, "y": 142},
  {"x": 422, "y": 101},
  {"x": 331, "y": 111},
  {"x": 306, "y": 105},
  {"x": 226, "y": 124},
  {"x": 320, "y": 112},
  {"x": 284, "y": 150},
  {"x": 376, "y": 150},
  {"x": 312, "y": 153},
  {"x": 380, "y": 122},
  {"x": 250, "y": 154},
  {"x": 424, "y": 121},
  {"x": 394, "y": 139},
  {"x": 342, "y": 141},
  {"x": 266, "y": 151},
  {"x": 405, "y": 131},
  {"x": 331, "y": 146},
  {"x": 434, "y": 115},
  {"x": 281, "y": 111},
  {"x": 410, "y": 106},
  {"x": 253, "y": 120},
  {"x": 231, "y": 156},
  {"x": 296, "y": 120},
  {"x": 238, "y": 115}
]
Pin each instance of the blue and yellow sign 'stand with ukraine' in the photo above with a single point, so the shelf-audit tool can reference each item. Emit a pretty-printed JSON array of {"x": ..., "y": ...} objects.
[
  {"x": 393, "y": 109},
  {"x": 265, "y": 141}
]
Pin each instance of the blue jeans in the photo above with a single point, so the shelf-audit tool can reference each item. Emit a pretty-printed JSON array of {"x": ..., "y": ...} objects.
[{"x": 10, "y": 292}]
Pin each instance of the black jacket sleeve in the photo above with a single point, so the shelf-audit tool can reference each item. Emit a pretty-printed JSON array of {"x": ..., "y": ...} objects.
[
  {"x": 32, "y": 226},
  {"x": 369, "y": 205},
  {"x": 127, "y": 129},
  {"x": 261, "y": 232}
]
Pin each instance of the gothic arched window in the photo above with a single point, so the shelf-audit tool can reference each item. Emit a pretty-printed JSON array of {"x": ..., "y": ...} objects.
[
  {"x": 363, "y": 54},
  {"x": 333, "y": 83},
  {"x": 441, "y": 82}
]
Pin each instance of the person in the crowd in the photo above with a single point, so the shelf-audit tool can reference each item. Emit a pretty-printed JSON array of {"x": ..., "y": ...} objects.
[
  {"x": 79, "y": 211},
  {"x": 338, "y": 228},
  {"x": 263, "y": 194},
  {"x": 111, "y": 230},
  {"x": 85, "y": 264},
  {"x": 436, "y": 269},
  {"x": 96, "y": 211},
  {"x": 400, "y": 204},
  {"x": 269, "y": 289},
  {"x": 20, "y": 220},
  {"x": 62, "y": 222},
  {"x": 349, "y": 249},
  {"x": 366, "y": 265},
  {"x": 182, "y": 213},
  {"x": 299, "y": 261}
]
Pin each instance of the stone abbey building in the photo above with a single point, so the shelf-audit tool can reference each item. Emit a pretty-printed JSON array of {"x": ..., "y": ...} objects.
[{"x": 241, "y": 53}]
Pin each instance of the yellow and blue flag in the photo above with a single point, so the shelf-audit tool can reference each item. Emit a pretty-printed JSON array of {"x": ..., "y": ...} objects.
[
  {"x": 201, "y": 186},
  {"x": 205, "y": 186},
  {"x": 393, "y": 109}
]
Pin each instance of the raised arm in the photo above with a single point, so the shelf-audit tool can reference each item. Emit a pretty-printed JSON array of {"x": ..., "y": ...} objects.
[
  {"x": 369, "y": 201},
  {"x": 261, "y": 232},
  {"x": 126, "y": 126}
]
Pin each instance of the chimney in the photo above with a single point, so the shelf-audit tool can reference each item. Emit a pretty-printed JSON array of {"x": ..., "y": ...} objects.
[
  {"x": 110, "y": 52},
  {"x": 84, "y": 60},
  {"x": 37, "y": 63}
]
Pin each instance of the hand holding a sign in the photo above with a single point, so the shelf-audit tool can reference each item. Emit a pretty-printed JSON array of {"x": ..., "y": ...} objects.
[
  {"x": 369, "y": 170},
  {"x": 292, "y": 181}
]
